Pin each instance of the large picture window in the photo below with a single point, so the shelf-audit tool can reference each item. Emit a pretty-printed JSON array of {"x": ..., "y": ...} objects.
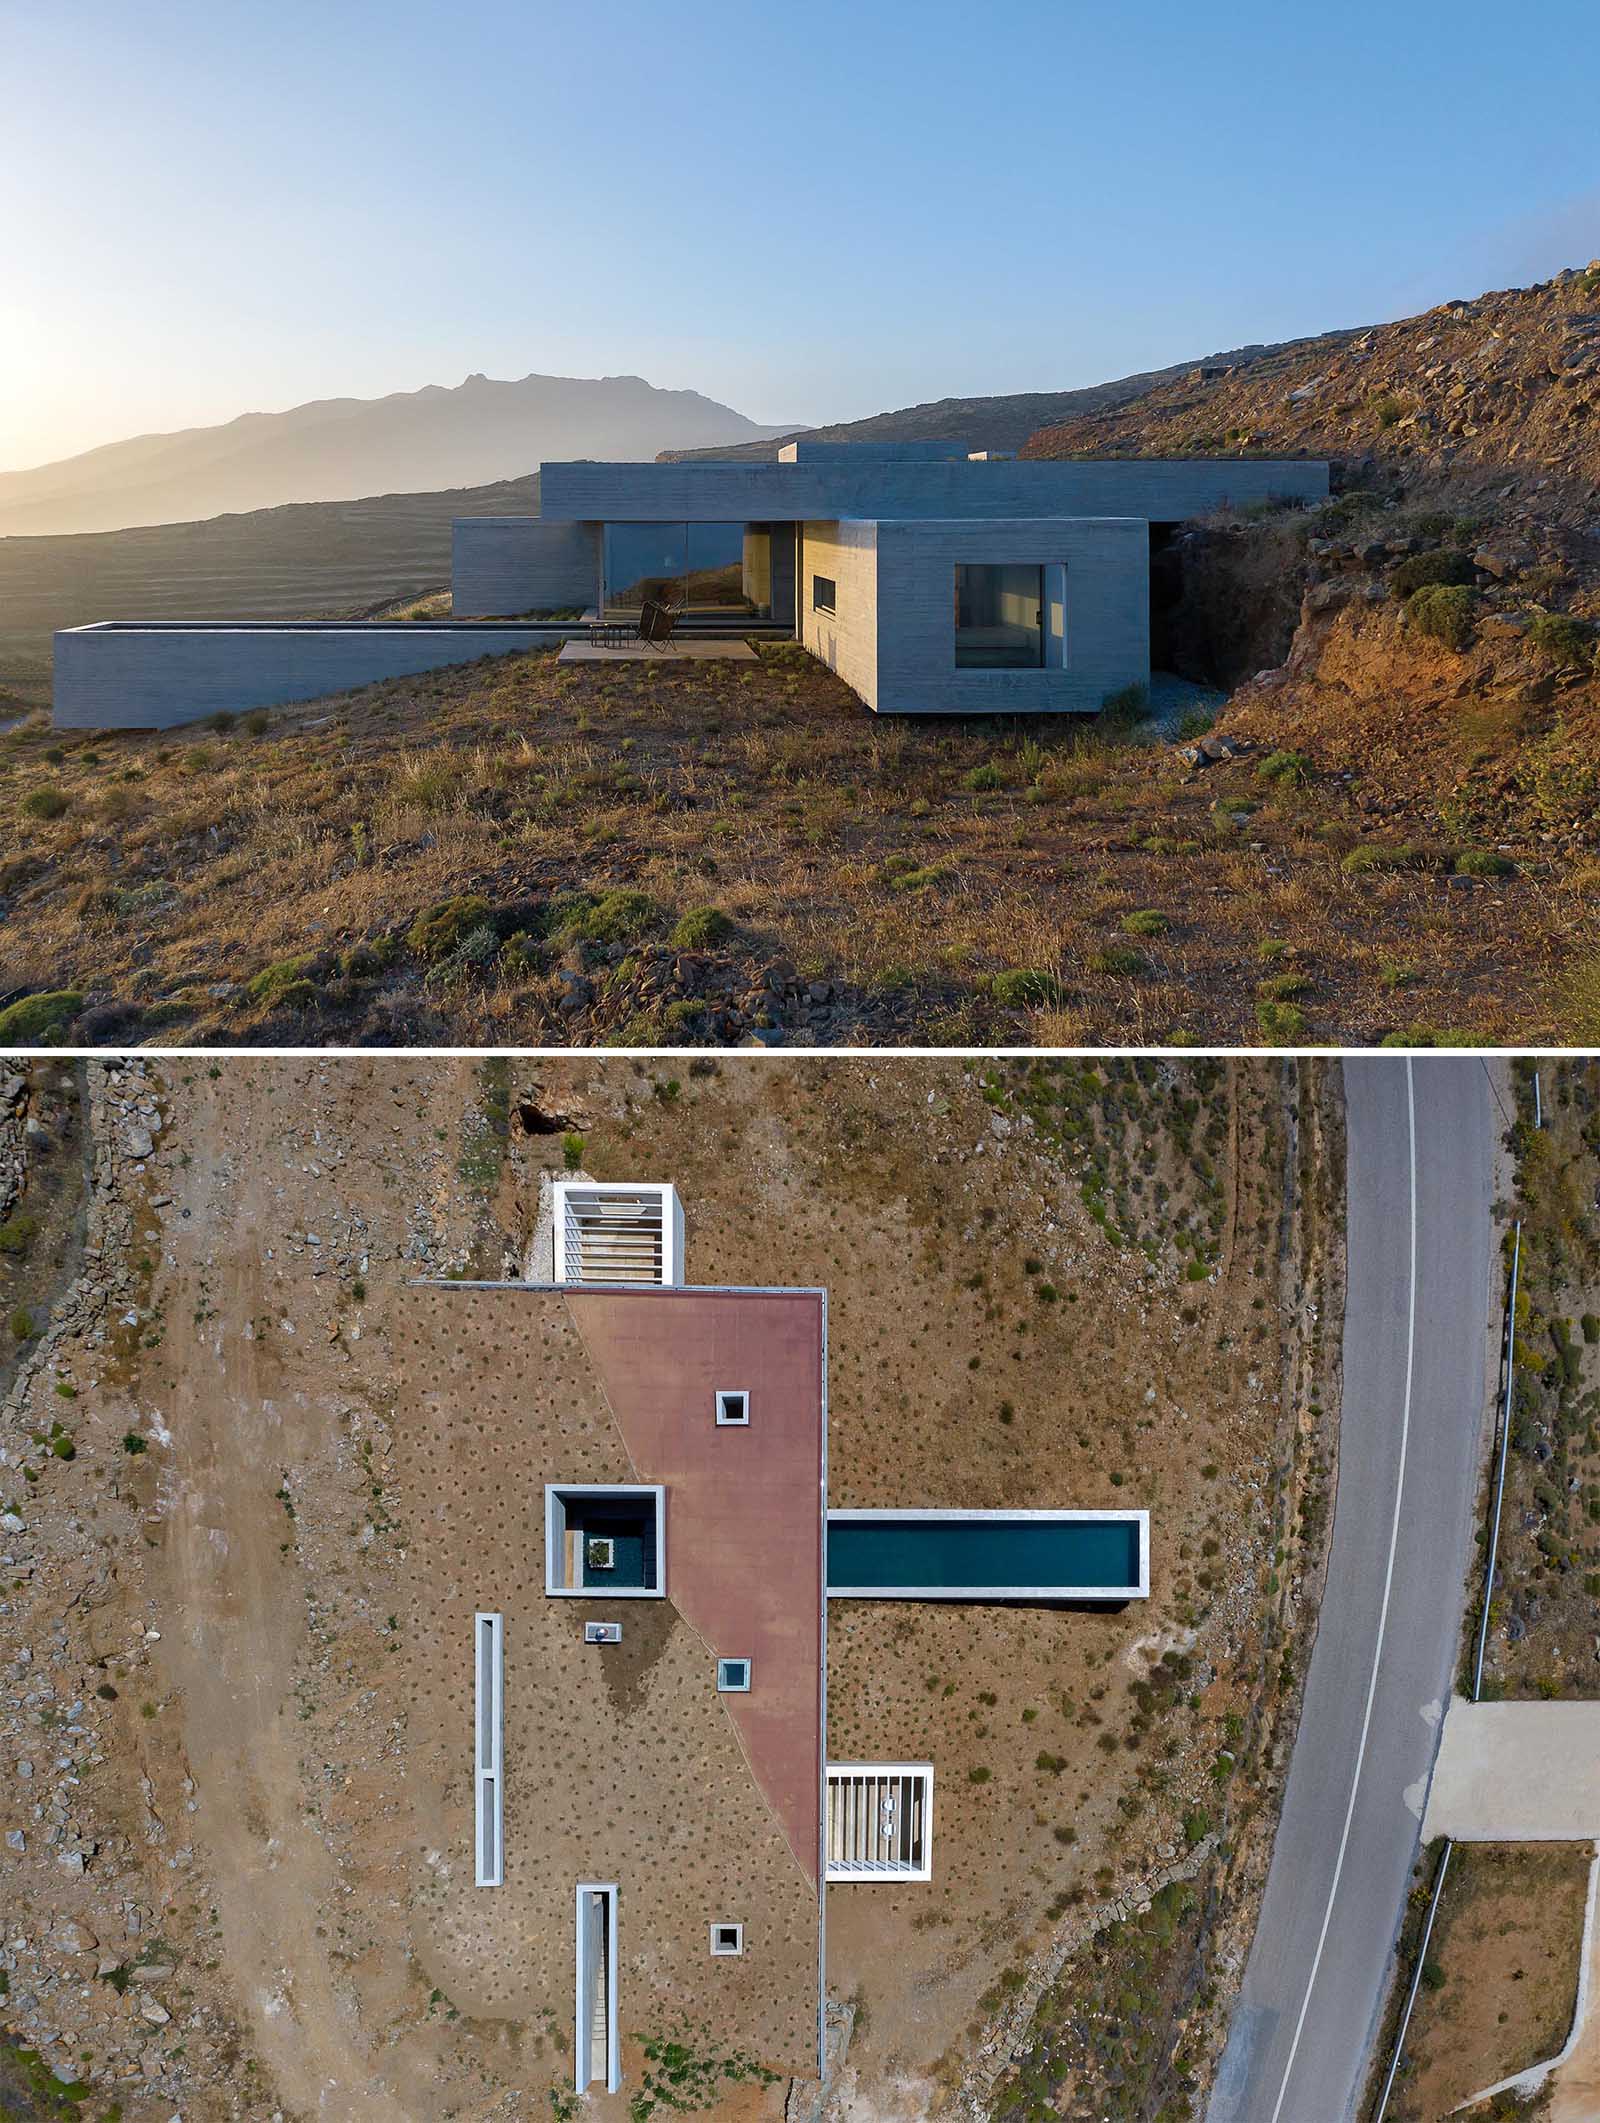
[{"x": 999, "y": 617}]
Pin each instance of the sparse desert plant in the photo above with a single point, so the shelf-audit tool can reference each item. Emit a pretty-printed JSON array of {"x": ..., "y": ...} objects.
[
  {"x": 1119, "y": 959},
  {"x": 1128, "y": 704},
  {"x": 700, "y": 928},
  {"x": 572, "y": 1152},
  {"x": 1145, "y": 921},
  {"x": 982, "y": 778},
  {"x": 284, "y": 982},
  {"x": 1378, "y": 855},
  {"x": 1279, "y": 1021},
  {"x": 1389, "y": 409},
  {"x": 1483, "y": 862},
  {"x": 1442, "y": 612},
  {"x": 1025, "y": 988},
  {"x": 1290, "y": 769},
  {"x": 43, "y": 803},
  {"x": 447, "y": 925},
  {"x": 1562, "y": 640},
  {"x": 1420, "y": 570},
  {"x": 39, "y": 1020},
  {"x": 617, "y": 917}
]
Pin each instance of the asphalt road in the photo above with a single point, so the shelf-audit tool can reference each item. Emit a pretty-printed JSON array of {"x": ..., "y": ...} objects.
[{"x": 1420, "y": 1160}]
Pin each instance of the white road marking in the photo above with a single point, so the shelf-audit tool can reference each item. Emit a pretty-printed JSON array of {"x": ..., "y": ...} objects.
[{"x": 1383, "y": 1611}]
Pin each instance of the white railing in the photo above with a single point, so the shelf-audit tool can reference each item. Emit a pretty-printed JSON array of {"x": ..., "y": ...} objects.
[{"x": 880, "y": 1821}]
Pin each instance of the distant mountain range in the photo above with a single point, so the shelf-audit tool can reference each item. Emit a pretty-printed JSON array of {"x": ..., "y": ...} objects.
[{"x": 342, "y": 449}]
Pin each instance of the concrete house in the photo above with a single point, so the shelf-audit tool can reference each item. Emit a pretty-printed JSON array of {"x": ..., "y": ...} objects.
[
  {"x": 626, "y": 1574},
  {"x": 933, "y": 580}
]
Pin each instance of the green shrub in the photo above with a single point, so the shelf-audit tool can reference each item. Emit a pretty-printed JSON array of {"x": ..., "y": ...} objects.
[
  {"x": 1145, "y": 921},
  {"x": 1562, "y": 640},
  {"x": 133, "y": 1443},
  {"x": 256, "y": 722},
  {"x": 22, "y": 1324},
  {"x": 1443, "y": 565},
  {"x": 365, "y": 961},
  {"x": 1292, "y": 769},
  {"x": 1117, "y": 958},
  {"x": 1389, "y": 409},
  {"x": 977, "y": 1776},
  {"x": 16, "y": 1232},
  {"x": 39, "y": 1020},
  {"x": 988, "y": 776},
  {"x": 1282, "y": 987},
  {"x": 43, "y": 803},
  {"x": 1376, "y": 855},
  {"x": 1483, "y": 862},
  {"x": 1127, "y": 704},
  {"x": 1433, "y": 1977},
  {"x": 283, "y": 982},
  {"x": 448, "y": 924},
  {"x": 572, "y": 1152},
  {"x": 1196, "y": 1826},
  {"x": 617, "y": 917},
  {"x": 700, "y": 928},
  {"x": 1442, "y": 612},
  {"x": 1280, "y": 1021},
  {"x": 1025, "y": 988}
]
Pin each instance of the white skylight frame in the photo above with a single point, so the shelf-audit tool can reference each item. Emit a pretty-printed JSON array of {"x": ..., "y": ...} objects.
[
  {"x": 488, "y": 1726},
  {"x": 727, "y": 1687},
  {"x": 555, "y": 1527},
  {"x": 720, "y": 1952},
  {"x": 728, "y": 1397}
]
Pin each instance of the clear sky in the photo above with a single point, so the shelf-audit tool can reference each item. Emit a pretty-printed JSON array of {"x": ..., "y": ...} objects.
[{"x": 811, "y": 211}]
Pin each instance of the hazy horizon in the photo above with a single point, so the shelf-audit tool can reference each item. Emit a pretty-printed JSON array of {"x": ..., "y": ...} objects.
[{"x": 246, "y": 210}]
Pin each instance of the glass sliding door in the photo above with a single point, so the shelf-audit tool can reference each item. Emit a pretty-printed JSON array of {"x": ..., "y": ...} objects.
[{"x": 697, "y": 567}]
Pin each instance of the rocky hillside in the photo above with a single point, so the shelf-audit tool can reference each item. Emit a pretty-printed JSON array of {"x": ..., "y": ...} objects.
[
  {"x": 1506, "y": 384},
  {"x": 1006, "y": 423},
  {"x": 1426, "y": 641}
]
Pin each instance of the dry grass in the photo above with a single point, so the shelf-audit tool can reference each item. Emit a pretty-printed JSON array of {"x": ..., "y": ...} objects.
[{"x": 848, "y": 852}]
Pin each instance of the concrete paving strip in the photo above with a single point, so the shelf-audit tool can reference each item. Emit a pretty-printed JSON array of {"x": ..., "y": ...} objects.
[
  {"x": 663, "y": 652},
  {"x": 1517, "y": 1773}
]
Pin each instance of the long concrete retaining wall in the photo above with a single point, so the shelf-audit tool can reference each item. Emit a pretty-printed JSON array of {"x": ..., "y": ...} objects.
[
  {"x": 521, "y": 564},
  {"x": 130, "y": 677}
]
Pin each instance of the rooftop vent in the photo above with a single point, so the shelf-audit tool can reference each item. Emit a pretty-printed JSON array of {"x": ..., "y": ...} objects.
[
  {"x": 610, "y": 1233},
  {"x": 880, "y": 1821}
]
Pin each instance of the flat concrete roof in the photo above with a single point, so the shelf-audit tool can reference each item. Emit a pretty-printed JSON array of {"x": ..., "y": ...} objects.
[{"x": 623, "y": 1762}]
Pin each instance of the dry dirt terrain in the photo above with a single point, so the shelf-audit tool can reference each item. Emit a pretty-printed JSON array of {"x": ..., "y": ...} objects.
[
  {"x": 524, "y": 852},
  {"x": 1501, "y": 1977},
  {"x": 1544, "y": 1636},
  {"x": 1058, "y": 1284}
]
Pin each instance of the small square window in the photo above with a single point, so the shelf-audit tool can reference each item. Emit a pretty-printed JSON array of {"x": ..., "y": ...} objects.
[
  {"x": 727, "y": 1939},
  {"x": 823, "y": 593},
  {"x": 733, "y": 1407},
  {"x": 733, "y": 1676}
]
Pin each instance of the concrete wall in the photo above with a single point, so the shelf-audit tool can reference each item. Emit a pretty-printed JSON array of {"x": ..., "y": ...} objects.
[
  {"x": 1161, "y": 491},
  {"x": 522, "y": 564},
  {"x": 1107, "y": 584},
  {"x": 142, "y": 678},
  {"x": 846, "y": 639}
]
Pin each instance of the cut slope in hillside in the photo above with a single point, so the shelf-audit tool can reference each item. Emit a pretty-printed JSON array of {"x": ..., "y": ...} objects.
[
  {"x": 1006, "y": 423},
  {"x": 340, "y": 448}
]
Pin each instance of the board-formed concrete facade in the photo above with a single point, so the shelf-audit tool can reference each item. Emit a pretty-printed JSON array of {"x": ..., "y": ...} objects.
[
  {"x": 890, "y": 636},
  {"x": 121, "y": 676},
  {"x": 515, "y": 564}
]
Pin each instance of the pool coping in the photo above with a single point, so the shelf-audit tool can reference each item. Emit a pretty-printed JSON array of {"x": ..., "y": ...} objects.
[{"x": 1105, "y": 1595}]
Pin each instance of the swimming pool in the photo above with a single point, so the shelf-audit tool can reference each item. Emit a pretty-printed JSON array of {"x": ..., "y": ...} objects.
[{"x": 989, "y": 1555}]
